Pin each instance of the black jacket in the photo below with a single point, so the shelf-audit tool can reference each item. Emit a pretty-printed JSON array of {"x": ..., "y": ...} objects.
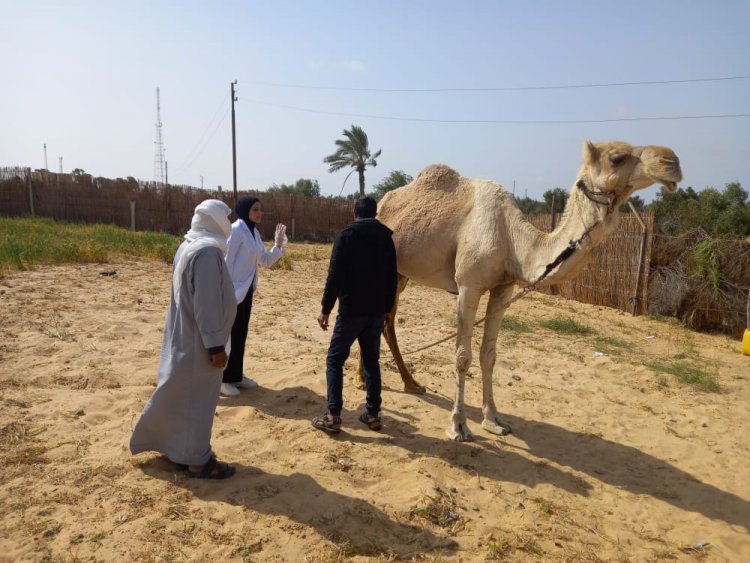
[{"x": 362, "y": 273}]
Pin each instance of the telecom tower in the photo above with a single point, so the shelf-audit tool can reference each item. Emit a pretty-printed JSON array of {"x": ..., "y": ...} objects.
[{"x": 159, "y": 162}]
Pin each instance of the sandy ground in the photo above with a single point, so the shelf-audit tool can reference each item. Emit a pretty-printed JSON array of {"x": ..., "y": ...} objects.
[{"x": 609, "y": 460}]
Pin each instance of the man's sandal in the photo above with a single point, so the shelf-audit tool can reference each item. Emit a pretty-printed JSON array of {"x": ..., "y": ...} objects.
[
  {"x": 327, "y": 423},
  {"x": 213, "y": 469},
  {"x": 372, "y": 422}
]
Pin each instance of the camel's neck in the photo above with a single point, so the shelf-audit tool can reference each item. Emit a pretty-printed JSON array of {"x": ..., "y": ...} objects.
[{"x": 551, "y": 256}]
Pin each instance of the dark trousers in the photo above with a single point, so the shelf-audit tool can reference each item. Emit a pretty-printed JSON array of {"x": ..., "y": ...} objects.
[
  {"x": 366, "y": 330},
  {"x": 233, "y": 371}
]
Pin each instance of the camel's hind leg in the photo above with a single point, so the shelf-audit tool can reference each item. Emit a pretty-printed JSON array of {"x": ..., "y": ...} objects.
[
  {"x": 496, "y": 306},
  {"x": 389, "y": 331}
]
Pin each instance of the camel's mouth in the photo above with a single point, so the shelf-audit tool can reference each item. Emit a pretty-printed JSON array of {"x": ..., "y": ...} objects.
[{"x": 662, "y": 166}]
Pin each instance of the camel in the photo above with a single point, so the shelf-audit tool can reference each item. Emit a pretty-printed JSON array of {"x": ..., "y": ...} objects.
[{"x": 467, "y": 236}]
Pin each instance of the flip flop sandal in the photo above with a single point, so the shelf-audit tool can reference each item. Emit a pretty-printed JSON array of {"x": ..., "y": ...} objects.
[
  {"x": 213, "y": 469},
  {"x": 329, "y": 425},
  {"x": 372, "y": 422}
]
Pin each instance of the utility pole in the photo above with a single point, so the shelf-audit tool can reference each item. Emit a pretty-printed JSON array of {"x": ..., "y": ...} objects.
[
  {"x": 45, "y": 156},
  {"x": 61, "y": 165},
  {"x": 201, "y": 181},
  {"x": 234, "y": 146}
]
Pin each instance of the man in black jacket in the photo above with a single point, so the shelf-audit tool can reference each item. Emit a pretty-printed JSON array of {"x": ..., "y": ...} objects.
[{"x": 362, "y": 276}]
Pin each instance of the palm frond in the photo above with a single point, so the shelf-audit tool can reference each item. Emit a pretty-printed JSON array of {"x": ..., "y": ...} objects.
[{"x": 353, "y": 150}]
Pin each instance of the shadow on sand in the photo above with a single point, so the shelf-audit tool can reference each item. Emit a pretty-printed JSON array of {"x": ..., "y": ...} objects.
[
  {"x": 499, "y": 460},
  {"x": 341, "y": 519},
  {"x": 621, "y": 466}
]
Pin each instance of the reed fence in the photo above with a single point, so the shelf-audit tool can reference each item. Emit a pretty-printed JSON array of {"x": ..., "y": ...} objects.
[
  {"x": 616, "y": 277},
  {"x": 150, "y": 206}
]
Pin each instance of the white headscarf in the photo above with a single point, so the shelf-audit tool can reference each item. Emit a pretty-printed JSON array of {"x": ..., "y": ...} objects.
[{"x": 210, "y": 227}]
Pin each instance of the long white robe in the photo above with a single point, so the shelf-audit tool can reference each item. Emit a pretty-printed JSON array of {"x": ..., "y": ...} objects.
[{"x": 178, "y": 418}]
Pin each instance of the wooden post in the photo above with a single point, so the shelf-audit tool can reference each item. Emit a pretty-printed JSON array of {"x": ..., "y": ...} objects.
[
  {"x": 31, "y": 191},
  {"x": 234, "y": 146},
  {"x": 553, "y": 289},
  {"x": 644, "y": 238},
  {"x": 132, "y": 216}
]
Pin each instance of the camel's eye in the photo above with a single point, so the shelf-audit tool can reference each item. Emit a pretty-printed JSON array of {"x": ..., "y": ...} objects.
[{"x": 618, "y": 158}]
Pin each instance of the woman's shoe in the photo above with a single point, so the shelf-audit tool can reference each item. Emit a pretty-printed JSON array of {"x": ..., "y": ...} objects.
[
  {"x": 229, "y": 390},
  {"x": 246, "y": 383}
]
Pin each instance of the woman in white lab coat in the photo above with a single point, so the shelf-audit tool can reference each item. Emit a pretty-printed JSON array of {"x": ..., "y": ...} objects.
[{"x": 246, "y": 252}]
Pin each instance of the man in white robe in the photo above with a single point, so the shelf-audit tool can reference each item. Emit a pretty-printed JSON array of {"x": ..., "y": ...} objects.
[{"x": 178, "y": 418}]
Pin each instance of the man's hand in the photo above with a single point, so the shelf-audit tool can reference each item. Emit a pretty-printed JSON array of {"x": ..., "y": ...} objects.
[
  {"x": 323, "y": 321},
  {"x": 218, "y": 360}
]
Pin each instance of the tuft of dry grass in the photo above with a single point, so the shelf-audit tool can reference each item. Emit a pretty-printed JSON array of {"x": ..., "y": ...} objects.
[
  {"x": 308, "y": 252},
  {"x": 284, "y": 263},
  {"x": 442, "y": 510},
  {"x": 501, "y": 548},
  {"x": 245, "y": 551},
  {"x": 54, "y": 327},
  {"x": 14, "y": 447}
]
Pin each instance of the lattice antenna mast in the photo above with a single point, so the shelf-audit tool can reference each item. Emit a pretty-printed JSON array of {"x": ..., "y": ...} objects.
[{"x": 159, "y": 162}]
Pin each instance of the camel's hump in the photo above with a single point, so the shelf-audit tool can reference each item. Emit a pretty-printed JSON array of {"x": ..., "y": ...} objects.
[{"x": 437, "y": 177}]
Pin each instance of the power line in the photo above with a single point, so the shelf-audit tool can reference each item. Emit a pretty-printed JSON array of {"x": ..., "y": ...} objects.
[
  {"x": 190, "y": 156},
  {"x": 504, "y": 88},
  {"x": 499, "y": 121},
  {"x": 208, "y": 140}
]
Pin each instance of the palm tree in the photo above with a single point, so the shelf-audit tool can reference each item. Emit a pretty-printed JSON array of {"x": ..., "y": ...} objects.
[{"x": 353, "y": 151}]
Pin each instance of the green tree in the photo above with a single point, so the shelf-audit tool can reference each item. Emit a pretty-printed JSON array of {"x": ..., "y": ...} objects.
[
  {"x": 719, "y": 213},
  {"x": 556, "y": 198},
  {"x": 395, "y": 179},
  {"x": 353, "y": 151},
  {"x": 530, "y": 206},
  {"x": 303, "y": 186}
]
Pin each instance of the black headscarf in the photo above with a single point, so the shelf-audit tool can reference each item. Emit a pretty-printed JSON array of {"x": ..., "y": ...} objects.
[{"x": 243, "y": 210}]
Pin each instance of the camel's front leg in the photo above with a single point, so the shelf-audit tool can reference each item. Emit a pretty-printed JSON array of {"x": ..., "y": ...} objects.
[
  {"x": 468, "y": 301},
  {"x": 496, "y": 306}
]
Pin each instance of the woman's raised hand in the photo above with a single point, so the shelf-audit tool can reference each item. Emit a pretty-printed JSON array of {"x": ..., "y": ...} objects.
[{"x": 279, "y": 238}]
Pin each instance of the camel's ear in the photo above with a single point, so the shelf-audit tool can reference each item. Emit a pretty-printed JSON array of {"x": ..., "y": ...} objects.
[{"x": 589, "y": 153}]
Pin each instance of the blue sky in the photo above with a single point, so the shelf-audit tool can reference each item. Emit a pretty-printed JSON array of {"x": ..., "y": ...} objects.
[{"x": 82, "y": 76}]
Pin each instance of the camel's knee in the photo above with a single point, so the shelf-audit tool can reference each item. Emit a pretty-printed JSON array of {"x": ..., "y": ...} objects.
[{"x": 463, "y": 359}]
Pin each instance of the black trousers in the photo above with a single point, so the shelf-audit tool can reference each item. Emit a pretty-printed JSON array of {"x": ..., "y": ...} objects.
[
  {"x": 366, "y": 330},
  {"x": 233, "y": 371}
]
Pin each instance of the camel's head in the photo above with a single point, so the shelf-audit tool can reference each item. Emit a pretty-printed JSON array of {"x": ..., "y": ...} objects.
[{"x": 615, "y": 170}]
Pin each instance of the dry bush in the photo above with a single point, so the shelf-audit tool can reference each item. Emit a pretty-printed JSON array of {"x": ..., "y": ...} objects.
[{"x": 701, "y": 280}]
